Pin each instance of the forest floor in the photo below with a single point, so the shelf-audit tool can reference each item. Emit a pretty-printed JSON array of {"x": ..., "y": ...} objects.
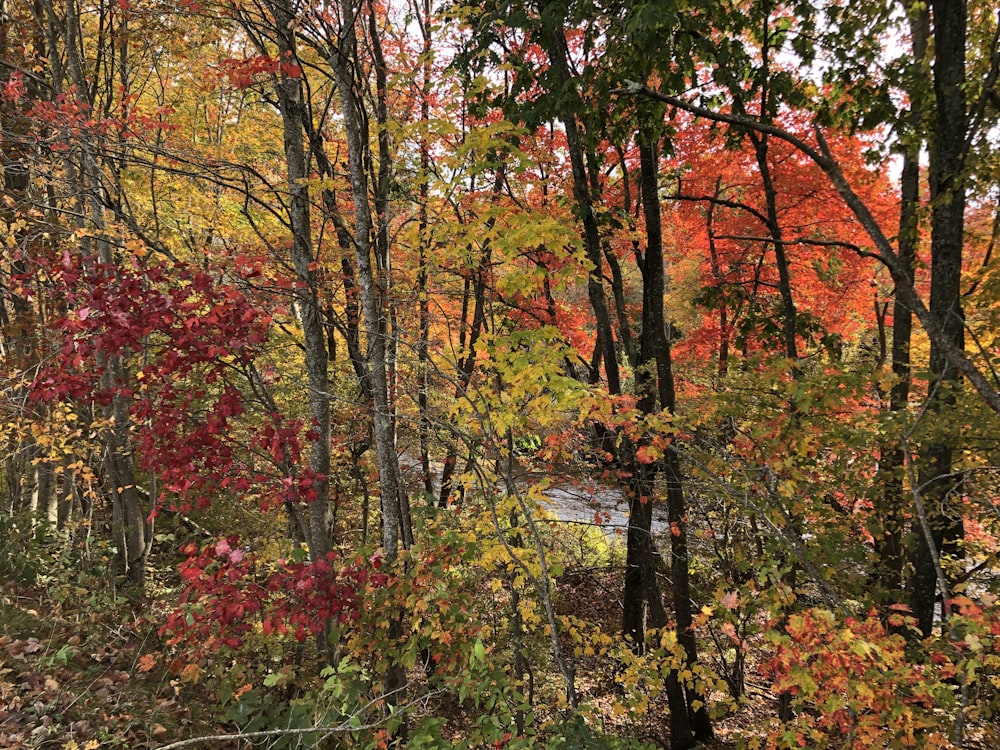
[
  {"x": 82, "y": 666},
  {"x": 70, "y": 676},
  {"x": 84, "y": 669},
  {"x": 82, "y": 673}
]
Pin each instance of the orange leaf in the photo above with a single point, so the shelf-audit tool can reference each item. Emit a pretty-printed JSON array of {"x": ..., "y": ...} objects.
[
  {"x": 191, "y": 673},
  {"x": 645, "y": 455}
]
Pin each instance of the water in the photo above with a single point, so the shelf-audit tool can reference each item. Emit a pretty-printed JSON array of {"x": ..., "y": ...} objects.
[{"x": 590, "y": 504}]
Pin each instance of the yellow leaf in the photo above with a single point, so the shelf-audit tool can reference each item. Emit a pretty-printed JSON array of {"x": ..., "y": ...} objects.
[{"x": 191, "y": 673}]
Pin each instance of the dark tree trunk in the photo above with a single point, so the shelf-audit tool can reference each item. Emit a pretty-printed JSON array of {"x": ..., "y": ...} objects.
[
  {"x": 789, "y": 313},
  {"x": 717, "y": 274},
  {"x": 889, "y": 548},
  {"x": 18, "y": 320},
  {"x": 947, "y": 192},
  {"x": 555, "y": 47},
  {"x": 656, "y": 347},
  {"x": 423, "y": 294}
]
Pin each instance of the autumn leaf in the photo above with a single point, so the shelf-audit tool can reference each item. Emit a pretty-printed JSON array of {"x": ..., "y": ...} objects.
[
  {"x": 146, "y": 663},
  {"x": 191, "y": 673},
  {"x": 646, "y": 454}
]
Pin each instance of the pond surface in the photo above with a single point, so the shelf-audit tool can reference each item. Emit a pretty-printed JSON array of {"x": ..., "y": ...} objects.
[
  {"x": 597, "y": 505},
  {"x": 585, "y": 503}
]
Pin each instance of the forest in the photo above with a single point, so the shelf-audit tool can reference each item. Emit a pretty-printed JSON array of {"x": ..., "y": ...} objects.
[{"x": 499, "y": 374}]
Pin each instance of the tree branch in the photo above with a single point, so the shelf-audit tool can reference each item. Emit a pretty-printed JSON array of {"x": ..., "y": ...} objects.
[
  {"x": 886, "y": 253},
  {"x": 800, "y": 241},
  {"x": 347, "y": 726}
]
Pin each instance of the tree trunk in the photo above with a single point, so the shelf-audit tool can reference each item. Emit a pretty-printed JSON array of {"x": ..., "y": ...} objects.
[
  {"x": 423, "y": 293},
  {"x": 655, "y": 347},
  {"x": 717, "y": 274},
  {"x": 948, "y": 144},
  {"x": 555, "y": 47},
  {"x": 307, "y": 304},
  {"x": 344, "y": 61},
  {"x": 889, "y": 545},
  {"x": 129, "y": 507}
]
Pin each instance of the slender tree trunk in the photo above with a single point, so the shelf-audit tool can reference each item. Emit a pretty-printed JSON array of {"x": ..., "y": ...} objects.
[
  {"x": 389, "y": 325},
  {"x": 344, "y": 61},
  {"x": 423, "y": 13},
  {"x": 656, "y": 347},
  {"x": 119, "y": 461},
  {"x": 618, "y": 294},
  {"x": 308, "y": 308},
  {"x": 717, "y": 274},
  {"x": 947, "y": 192},
  {"x": 67, "y": 495},
  {"x": 555, "y": 44},
  {"x": 760, "y": 143},
  {"x": 18, "y": 321},
  {"x": 350, "y": 327},
  {"x": 889, "y": 546},
  {"x": 789, "y": 313},
  {"x": 124, "y": 483}
]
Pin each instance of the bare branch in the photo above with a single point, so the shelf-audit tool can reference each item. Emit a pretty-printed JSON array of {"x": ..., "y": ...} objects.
[
  {"x": 350, "y": 725},
  {"x": 799, "y": 241}
]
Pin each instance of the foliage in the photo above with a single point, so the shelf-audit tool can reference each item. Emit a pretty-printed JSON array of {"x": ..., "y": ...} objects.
[{"x": 303, "y": 325}]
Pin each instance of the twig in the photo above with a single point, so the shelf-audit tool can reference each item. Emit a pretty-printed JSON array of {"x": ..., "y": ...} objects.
[{"x": 345, "y": 727}]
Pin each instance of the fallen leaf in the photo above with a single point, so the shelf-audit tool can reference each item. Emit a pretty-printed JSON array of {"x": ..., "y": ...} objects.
[{"x": 146, "y": 662}]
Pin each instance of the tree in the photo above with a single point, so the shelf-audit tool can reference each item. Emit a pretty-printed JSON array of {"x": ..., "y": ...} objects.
[
  {"x": 950, "y": 138},
  {"x": 560, "y": 94},
  {"x": 890, "y": 542},
  {"x": 77, "y": 96},
  {"x": 272, "y": 255},
  {"x": 949, "y": 143}
]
